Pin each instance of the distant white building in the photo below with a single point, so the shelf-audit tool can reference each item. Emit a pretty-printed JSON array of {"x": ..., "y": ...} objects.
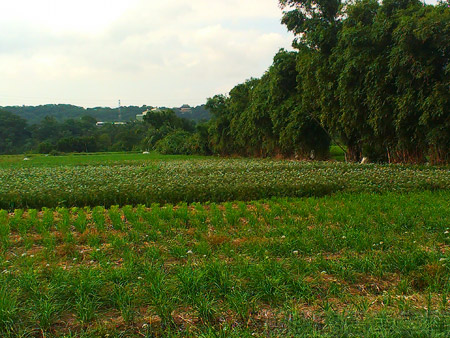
[
  {"x": 101, "y": 124},
  {"x": 140, "y": 117}
]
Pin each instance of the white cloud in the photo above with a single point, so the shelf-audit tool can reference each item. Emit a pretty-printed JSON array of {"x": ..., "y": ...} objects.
[
  {"x": 55, "y": 15},
  {"x": 143, "y": 52}
]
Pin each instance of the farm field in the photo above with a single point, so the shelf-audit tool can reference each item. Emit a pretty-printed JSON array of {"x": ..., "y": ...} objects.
[
  {"x": 120, "y": 180},
  {"x": 358, "y": 264}
]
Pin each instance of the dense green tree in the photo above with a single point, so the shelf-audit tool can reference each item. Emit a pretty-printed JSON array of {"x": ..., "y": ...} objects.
[
  {"x": 250, "y": 125},
  {"x": 375, "y": 75},
  {"x": 46, "y": 147},
  {"x": 265, "y": 117},
  {"x": 221, "y": 140},
  {"x": 177, "y": 143},
  {"x": 13, "y": 133},
  {"x": 315, "y": 23},
  {"x": 48, "y": 129},
  {"x": 200, "y": 140},
  {"x": 418, "y": 63},
  {"x": 352, "y": 61}
]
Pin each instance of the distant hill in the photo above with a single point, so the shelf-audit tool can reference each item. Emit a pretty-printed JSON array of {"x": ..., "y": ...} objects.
[{"x": 61, "y": 112}]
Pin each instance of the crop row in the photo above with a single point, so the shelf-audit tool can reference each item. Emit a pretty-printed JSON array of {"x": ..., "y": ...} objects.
[
  {"x": 364, "y": 264},
  {"x": 203, "y": 180}
]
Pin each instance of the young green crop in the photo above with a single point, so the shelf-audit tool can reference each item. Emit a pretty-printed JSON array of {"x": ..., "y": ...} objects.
[{"x": 347, "y": 265}]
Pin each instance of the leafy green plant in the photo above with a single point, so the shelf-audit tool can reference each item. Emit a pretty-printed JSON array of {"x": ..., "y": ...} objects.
[
  {"x": 98, "y": 215},
  {"x": 9, "y": 308},
  {"x": 46, "y": 312},
  {"x": 125, "y": 302},
  {"x": 80, "y": 223},
  {"x": 116, "y": 218},
  {"x": 4, "y": 229}
]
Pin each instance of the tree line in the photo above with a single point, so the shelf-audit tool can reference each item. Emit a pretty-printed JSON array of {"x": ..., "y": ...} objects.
[
  {"x": 160, "y": 131},
  {"x": 61, "y": 112},
  {"x": 374, "y": 77},
  {"x": 371, "y": 77}
]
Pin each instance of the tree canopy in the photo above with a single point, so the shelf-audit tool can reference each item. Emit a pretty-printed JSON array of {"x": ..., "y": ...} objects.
[{"x": 372, "y": 76}]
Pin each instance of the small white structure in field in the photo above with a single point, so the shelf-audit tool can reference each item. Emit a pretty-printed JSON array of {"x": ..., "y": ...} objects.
[
  {"x": 146, "y": 153},
  {"x": 365, "y": 160},
  {"x": 26, "y": 159}
]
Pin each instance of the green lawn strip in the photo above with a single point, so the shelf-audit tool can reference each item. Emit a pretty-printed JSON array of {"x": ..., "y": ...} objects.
[{"x": 130, "y": 158}]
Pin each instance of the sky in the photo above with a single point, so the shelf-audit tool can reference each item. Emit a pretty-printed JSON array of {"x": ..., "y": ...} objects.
[{"x": 143, "y": 52}]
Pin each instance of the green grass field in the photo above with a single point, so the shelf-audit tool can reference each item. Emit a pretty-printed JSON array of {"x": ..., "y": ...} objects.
[
  {"x": 367, "y": 254},
  {"x": 37, "y": 160}
]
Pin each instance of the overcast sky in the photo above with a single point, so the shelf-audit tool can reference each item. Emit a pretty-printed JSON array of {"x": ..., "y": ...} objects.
[{"x": 161, "y": 53}]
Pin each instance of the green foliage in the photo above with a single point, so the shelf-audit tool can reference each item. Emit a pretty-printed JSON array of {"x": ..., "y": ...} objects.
[
  {"x": 375, "y": 74},
  {"x": 219, "y": 127},
  {"x": 9, "y": 308},
  {"x": 62, "y": 112},
  {"x": 265, "y": 117},
  {"x": 82, "y": 135},
  {"x": 315, "y": 23},
  {"x": 159, "y": 118},
  {"x": 13, "y": 133},
  {"x": 180, "y": 142}
]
